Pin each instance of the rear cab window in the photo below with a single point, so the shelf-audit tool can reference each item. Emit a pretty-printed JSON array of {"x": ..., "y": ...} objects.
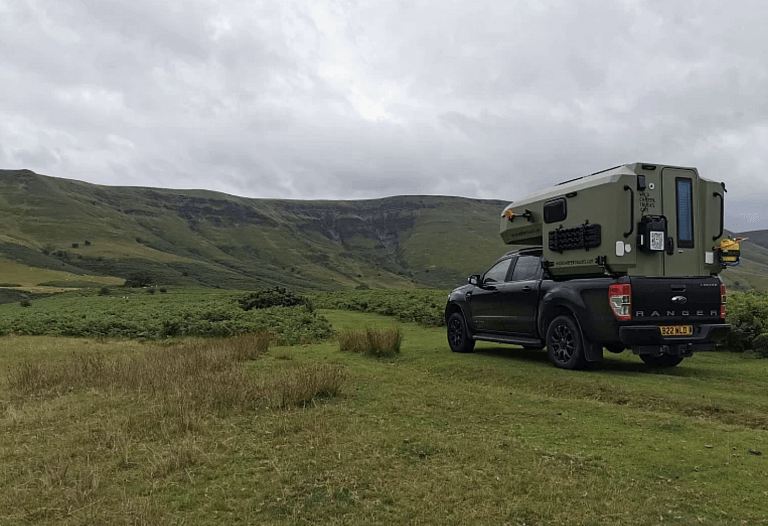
[{"x": 527, "y": 268}]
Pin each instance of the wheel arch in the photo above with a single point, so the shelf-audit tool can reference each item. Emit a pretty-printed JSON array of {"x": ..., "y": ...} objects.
[
  {"x": 452, "y": 308},
  {"x": 592, "y": 352}
]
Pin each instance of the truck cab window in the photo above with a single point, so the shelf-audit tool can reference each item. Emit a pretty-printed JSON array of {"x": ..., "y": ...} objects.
[
  {"x": 526, "y": 268},
  {"x": 497, "y": 273}
]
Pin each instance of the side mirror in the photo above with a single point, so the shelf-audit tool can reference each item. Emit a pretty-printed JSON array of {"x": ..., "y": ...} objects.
[{"x": 474, "y": 279}]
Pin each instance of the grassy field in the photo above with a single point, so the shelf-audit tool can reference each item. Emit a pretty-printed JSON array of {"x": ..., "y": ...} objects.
[{"x": 428, "y": 437}]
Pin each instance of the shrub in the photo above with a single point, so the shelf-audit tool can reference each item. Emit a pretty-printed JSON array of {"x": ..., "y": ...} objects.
[
  {"x": 141, "y": 278},
  {"x": 150, "y": 291},
  {"x": 424, "y": 306},
  {"x": 379, "y": 343},
  {"x": 104, "y": 291},
  {"x": 161, "y": 316},
  {"x": 274, "y": 297},
  {"x": 163, "y": 290},
  {"x": 760, "y": 345},
  {"x": 747, "y": 312},
  {"x": 25, "y": 303},
  {"x": 75, "y": 245}
]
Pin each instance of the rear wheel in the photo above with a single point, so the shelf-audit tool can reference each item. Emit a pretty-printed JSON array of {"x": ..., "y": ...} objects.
[
  {"x": 565, "y": 344},
  {"x": 458, "y": 335},
  {"x": 663, "y": 360}
]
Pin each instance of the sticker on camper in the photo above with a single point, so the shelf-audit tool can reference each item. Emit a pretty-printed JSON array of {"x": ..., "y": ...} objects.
[{"x": 657, "y": 240}]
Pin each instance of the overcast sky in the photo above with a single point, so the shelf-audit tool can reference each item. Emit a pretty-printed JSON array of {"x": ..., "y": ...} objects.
[{"x": 354, "y": 99}]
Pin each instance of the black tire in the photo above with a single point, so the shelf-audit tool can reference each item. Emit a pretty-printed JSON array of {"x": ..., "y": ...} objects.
[
  {"x": 458, "y": 335},
  {"x": 662, "y": 360},
  {"x": 565, "y": 344}
]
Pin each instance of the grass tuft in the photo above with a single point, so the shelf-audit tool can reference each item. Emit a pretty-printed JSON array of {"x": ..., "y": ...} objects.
[
  {"x": 379, "y": 343},
  {"x": 302, "y": 386}
]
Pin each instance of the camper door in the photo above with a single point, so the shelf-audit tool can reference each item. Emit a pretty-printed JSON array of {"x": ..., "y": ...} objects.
[{"x": 679, "y": 194}]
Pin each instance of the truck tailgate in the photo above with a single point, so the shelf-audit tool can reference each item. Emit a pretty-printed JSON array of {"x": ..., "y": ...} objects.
[{"x": 676, "y": 300}]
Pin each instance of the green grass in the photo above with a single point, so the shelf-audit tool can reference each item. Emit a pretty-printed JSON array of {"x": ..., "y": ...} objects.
[{"x": 431, "y": 437}]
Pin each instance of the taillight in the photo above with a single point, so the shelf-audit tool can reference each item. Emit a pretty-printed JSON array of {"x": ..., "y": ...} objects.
[
  {"x": 620, "y": 298},
  {"x": 722, "y": 301}
]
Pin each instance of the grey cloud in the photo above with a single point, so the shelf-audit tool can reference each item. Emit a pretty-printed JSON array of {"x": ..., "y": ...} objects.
[{"x": 341, "y": 99}]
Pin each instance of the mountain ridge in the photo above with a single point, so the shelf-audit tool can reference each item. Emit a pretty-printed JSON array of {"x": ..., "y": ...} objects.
[{"x": 212, "y": 239}]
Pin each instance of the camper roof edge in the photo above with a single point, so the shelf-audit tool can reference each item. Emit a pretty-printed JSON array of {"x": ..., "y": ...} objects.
[{"x": 587, "y": 181}]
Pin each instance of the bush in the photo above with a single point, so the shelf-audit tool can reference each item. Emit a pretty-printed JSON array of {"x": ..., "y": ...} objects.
[
  {"x": 747, "y": 312},
  {"x": 274, "y": 297},
  {"x": 75, "y": 245},
  {"x": 424, "y": 306},
  {"x": 138, "y": 279},
  {"x": 25, "y": 303},
  {"x": 379, "y": 343},
  {"x": 760, "y": 345},
  {"x": 160, "y": 316},
  {"x": 104, "y": 291}
]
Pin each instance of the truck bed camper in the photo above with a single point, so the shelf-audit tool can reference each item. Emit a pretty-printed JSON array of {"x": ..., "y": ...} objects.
[{"x": 637, "y": 219}]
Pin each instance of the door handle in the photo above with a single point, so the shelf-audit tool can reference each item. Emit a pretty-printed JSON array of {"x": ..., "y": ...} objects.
[
  {"x": 722, "y": 215},
  {"x": 527, "y": 288},
  {"x": 631, "y": 211}
]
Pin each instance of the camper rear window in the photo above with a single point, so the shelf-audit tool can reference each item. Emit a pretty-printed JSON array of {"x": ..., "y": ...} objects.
[
  {"x": 684, "y": 191},
  {"x": 555, "y": 210}
]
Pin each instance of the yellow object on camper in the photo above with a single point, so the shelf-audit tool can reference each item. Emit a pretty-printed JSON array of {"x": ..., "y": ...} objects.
[{"x": 729, "y": 250}]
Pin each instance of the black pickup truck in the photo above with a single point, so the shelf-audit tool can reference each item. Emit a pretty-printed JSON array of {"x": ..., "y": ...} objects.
[{"x": 662, "y": 319}]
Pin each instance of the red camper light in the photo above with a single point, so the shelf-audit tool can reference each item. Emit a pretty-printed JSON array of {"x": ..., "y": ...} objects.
[
  {"x": 620, "y": 298},
  {"x": 509, "y": 214},
  {"x": 722, "y": 301}
]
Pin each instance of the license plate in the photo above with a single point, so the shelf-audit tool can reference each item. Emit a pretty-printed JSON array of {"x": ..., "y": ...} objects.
[{"x": 676, "y": 330}]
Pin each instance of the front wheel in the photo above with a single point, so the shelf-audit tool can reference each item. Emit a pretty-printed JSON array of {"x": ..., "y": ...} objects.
[
  {"x": 663, "y": 360},
  {"x": 458, "y": 335},
  {"x": 565, "y": 344}
]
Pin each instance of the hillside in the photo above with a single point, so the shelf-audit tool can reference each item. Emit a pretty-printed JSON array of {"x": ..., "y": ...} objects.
[
  {"x": 56, "y": 233},
  {"x": 196, "y": 237},
  {"x": 753, "y": 271}
]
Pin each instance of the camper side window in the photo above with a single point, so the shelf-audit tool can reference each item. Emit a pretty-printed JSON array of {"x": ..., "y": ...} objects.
[
  {"x": 684, "y": 191},
  {"x": 555, "y": 210}
]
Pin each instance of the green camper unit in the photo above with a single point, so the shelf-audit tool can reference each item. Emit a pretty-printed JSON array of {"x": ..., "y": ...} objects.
[{"x": 636, "y": 219}]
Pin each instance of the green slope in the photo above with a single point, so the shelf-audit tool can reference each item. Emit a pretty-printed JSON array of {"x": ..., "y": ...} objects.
[
  {"x": 196, "y": 237},
  {"x": 752, "y": 273}
]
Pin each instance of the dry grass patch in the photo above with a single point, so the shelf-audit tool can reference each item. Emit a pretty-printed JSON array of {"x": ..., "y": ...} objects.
[
  {"x": 189, "y": 378},
  {"x": 379, "y": 343}
]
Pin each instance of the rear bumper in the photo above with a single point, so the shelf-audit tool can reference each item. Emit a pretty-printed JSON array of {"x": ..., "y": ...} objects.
[{"x": 647, "y": 339}]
